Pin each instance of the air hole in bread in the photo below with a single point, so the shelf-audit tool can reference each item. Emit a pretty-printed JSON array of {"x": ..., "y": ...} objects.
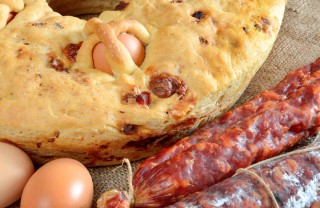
[
  {"x": 176, "y": 1},
  {"x": 129, "y": 129},
  {"x": 145, "y": 143},
  {"x": 198, "y": 15},
  {"x": 121, "y": 6},
  {"x": 203, "y": 41}
]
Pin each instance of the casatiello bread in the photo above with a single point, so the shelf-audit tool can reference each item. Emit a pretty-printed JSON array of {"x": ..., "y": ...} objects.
[{"x": 199, "y": 58}]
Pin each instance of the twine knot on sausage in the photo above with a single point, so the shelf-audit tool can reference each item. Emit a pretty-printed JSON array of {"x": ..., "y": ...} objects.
[
  {"x": 122, "y": 199},
  {"x": 315, "y": 146},
  {"x": 116, "y": 53}
]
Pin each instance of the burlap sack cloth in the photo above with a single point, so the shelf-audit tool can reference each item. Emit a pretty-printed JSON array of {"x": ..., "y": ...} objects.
[{"x": 298, "y": 44}]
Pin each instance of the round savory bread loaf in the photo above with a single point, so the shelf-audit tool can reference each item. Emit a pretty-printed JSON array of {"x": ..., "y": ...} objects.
[{"x": 200, "y": 56}]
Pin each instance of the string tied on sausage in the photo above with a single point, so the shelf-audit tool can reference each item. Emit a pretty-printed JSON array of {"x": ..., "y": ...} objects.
[
  {"x": 258, "y": 178},
  {"x": 130, "y": 176},
  {"x": 261, "y": 180},
  {"x": 122, "y": 199}
]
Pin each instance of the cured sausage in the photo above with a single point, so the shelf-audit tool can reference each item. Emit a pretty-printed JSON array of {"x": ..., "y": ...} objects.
[
  {"x": 270, "y": 123},
  {"x": 285, "y": 88},
  {"x": 291, "y": 180}
]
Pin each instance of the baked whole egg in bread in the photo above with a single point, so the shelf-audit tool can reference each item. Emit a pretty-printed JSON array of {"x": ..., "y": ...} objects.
[{"x": 198, "y": 58}]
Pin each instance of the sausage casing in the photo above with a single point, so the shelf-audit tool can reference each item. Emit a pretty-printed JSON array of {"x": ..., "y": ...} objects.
[
  {"x": 291, "y": 180},
  {"x": 272, "y": 122}
]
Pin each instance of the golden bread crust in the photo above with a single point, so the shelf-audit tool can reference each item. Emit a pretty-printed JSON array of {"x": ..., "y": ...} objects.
[{"x": 52, "y": 107}]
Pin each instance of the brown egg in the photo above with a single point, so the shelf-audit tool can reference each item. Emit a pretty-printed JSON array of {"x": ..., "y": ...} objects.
[
  {"x": 15, "y": 170},
  {"x": 99, "y": 60},
  {"x": 62, "y": 183},
  {"x": 133, "y": 44}
]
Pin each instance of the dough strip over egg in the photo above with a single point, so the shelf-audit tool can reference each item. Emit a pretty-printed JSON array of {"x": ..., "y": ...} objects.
[{"x": 116, "y": 53}]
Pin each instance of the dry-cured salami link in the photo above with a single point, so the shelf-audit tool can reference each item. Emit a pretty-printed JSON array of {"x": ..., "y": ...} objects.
[
  {"x": 288, "y": 181},
  {"x": 263, "y": 133},
  {"x": 285, "y": 88},
  {"x": 229, "y": 193}
]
